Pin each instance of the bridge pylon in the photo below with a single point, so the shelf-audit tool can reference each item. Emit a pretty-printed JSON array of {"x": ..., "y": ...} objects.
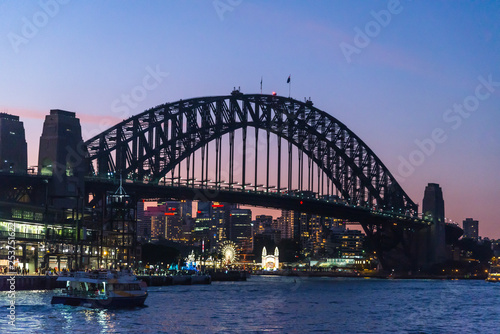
[
  {"x": 62, "y": 156},
  {"x": 435, "y": 237}
]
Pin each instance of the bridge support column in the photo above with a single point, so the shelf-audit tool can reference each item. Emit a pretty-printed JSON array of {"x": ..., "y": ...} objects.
[
  {"x": 433, "y": 238},
  {"x": 62, "y": 156}
]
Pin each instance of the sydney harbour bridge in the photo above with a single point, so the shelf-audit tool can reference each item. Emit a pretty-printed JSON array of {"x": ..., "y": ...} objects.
[{"x": 254, "y": 149}]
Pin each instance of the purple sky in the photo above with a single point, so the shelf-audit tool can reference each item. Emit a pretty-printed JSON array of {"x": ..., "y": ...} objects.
[{"x": 393, "y": 72}]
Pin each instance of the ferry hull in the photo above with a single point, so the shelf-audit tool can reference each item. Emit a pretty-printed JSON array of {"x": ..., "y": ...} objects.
[{"x": 121, "y": 302}]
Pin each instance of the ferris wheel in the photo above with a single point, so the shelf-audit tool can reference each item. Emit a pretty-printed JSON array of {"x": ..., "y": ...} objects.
[{"x": 229, "y": 251}]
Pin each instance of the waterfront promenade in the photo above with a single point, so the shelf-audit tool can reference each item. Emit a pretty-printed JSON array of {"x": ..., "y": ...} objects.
[{"x": 49, "y": 282}]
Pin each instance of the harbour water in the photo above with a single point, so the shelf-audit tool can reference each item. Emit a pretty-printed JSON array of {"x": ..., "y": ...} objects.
[{"x": 276, "y": 304}]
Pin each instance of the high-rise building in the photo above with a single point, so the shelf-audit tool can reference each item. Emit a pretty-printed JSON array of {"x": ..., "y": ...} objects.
[
  {"x": 203, "y": 223},
  {"x": 263, "y": 223},
  {"x": 302, "y": 221},
  {"x": 155, "y": 216},
  {"x": 173, "y": 221},
  {"x": 202, "y": 228},
  {"x": 157, "y": 227},
  {"x": 143, "y": 223},
  {"x": 335, "y": 224},
  {"x": 241, "y": 229},
  {"x": 166, "y": 221},
  {"x": 275, "y": 225},
  {"x": 186, "y": 208},
  {"x": 287, "y": 224},
  {"x": 188, "y": 230},
  {"x": 13, "y": 147},
  {"x": 220, "y": 223},
  {"x": 315, "y": 242},
  {"x": 471, "y": 228},
  {"x": 204, "y": 210}
]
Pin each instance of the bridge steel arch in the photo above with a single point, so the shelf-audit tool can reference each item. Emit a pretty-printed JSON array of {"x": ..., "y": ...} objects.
[{"x": 151, "y": 144}]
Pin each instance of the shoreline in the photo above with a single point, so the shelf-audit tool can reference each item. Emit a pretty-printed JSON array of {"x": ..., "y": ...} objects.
[
  {"x": 49, "y": 282},
  {"x": 43, "y": 282},
  {"x": 296, "y": 273}
]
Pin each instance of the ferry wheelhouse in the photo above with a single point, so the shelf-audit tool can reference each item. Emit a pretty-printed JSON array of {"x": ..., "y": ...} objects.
[{"x": 101, "y": 288}]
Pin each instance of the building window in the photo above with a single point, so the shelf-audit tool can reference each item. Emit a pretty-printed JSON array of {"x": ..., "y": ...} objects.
[{"x": 16, "y": 213}]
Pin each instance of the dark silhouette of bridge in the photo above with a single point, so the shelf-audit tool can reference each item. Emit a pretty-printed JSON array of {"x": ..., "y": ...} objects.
[
  {"x": 323, "y": 157},
  {"x": 262, "y": 150}
]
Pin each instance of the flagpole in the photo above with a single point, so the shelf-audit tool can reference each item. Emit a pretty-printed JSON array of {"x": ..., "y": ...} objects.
[
  {"x": 289, "y": 85},
  {"x": 261, "y": 84}
]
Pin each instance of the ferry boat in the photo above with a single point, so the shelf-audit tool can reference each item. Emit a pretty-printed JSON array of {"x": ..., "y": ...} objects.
[
  {"x": 102, "y": 289},
  {"x": 494, "y": 275}
]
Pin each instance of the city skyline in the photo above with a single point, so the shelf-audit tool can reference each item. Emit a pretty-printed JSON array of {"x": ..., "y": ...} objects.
[{"x": 396, "y": 86}]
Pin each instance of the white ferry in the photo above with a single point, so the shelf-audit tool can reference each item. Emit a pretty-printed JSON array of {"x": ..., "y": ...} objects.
[
  {"x": 494, "y": 274},
  {"x": 101, "y": 288}
]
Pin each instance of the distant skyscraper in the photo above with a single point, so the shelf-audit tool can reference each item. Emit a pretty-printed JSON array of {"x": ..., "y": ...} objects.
[
  {"x": 220, "y": 222},
  {"x": 433, "y": 208},
  {"x": 303, "y": 228},
  {"x": 143, "y": 223},
  {"x": 186, "y": 208},
  {"x": 287, "y": 223},
  {"x": 204, "y": 210},
  {"x": 335, "y": 224},
  {"x": 471, "y": 228},
  {"x": 201, "y": 231},
  {"x": 241, "y": 229},
  {"x": 173, "y": 221},
  {"x": 263, "y": 223},
  {"x": 315, "y": 233},
  {"x": 156, "y": 217},
  {"x": 13, "y": 148},
  {"x": 166, "y": 221}
]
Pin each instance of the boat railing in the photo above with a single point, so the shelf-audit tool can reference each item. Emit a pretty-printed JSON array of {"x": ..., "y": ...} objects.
[
  {"x": 103, "y": 275},
  {"x": 96, "y": 274}
]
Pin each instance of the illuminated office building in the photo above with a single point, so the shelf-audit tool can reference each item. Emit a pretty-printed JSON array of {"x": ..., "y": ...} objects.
[
  {"x": 471, "y": 228},
  {"x": 13, "y": 147}
]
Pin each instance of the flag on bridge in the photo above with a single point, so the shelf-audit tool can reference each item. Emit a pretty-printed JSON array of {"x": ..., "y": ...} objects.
[{"x": 289, "y": 85}]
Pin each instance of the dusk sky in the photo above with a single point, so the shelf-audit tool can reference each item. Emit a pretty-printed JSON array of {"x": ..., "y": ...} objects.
[{"x": 418, "y": 81}]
